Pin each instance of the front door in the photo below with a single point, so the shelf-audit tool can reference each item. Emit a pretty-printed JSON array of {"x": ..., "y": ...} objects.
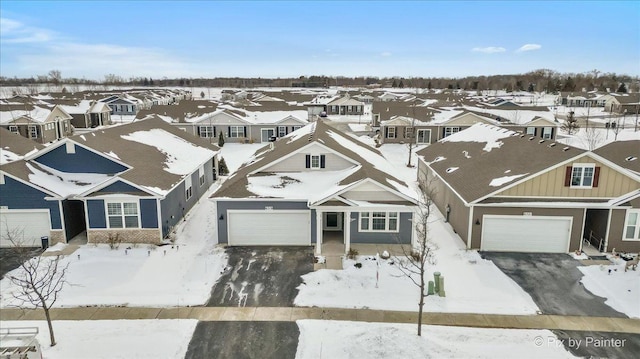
[
  {"x": 423, "y": 137},
  {"x": 267, "y": 133},
  {"x": 332, "y": 221}
]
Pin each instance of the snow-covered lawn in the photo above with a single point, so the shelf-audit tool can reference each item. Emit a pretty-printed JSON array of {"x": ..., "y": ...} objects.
[
  {"x": 621, "y": 289},
  {"x": 111, "y": 339},
  {"x": 144, "y": 275},
  {"x": 472, "y": 285},
  {"x": 334, "y": 339}
]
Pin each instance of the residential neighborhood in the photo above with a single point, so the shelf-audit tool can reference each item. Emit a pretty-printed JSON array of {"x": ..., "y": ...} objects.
[{"x": 368, "y": 179}]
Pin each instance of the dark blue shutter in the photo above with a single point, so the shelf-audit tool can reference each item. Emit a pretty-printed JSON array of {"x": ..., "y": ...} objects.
[
  {"x": 244, "y": 130},
  {"x": 308, "y": 161},
  {"x": 229, "y": 131},
  {"x": 214, "y": 131},
  {"x": 322, "y": 161}
]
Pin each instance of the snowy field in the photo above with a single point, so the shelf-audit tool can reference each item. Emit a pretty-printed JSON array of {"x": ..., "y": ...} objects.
[
  {"x": 596, "y": 137},
  {"x": 145, "y": 275},
  {"x": 334, "y": 339},
  {"x": 113, "y": 339}
]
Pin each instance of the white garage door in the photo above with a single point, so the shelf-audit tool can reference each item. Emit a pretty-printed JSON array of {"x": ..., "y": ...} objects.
[
  {"x": 25, "y": 226},
  {"x": 544, "y": 234},
  {"x": 269, "y": 228}
]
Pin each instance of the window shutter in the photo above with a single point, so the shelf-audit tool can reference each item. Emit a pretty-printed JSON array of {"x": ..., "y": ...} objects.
[
  {"x": 386, "y": 132},
  {"x": 286, "y": 130},
  {"x": 596, "y": 176},
  {"x": 308, "y": 161},
  {"x": 322, "y": 159},
  {"x": 567, "y": 176},
  {"x": 244, "y": 130},
  {"x": 214, "y": 131},
  {"x": 535, "y": 131},
  {"x": 552, "y": 130},
  {"x": 229, "y": 131}
]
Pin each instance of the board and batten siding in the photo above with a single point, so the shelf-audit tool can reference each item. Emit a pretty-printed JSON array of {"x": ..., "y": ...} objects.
[
  {"x": 17, "y": 195},
  {"x": 82, "y": 161},
  {"x": 611, "y": 184},
  {"x": 223, "y": 206},
  {"x": 616, "y": 231}
]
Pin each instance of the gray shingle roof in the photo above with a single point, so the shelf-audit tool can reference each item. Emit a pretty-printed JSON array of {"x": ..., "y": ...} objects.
[
  {"x": 625, "y": 154},
  {"x": 469, "y": 164}
]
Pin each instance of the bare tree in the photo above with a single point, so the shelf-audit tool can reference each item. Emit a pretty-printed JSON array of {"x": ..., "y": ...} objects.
[
  {"x": 55, "y": 76},
  {"x": 39, "y": 279},
  {"x": 570, "y": 124},
  {"x": 592, "y": 138},
  {"x": 415, "y": 259}
]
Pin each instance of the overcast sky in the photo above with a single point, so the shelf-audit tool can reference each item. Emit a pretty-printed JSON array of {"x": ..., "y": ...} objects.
[{"x": 282, "y": 39}]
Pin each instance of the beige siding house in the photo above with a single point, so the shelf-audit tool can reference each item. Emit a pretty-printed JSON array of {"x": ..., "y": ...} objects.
[{"x": 506, "y": 191}]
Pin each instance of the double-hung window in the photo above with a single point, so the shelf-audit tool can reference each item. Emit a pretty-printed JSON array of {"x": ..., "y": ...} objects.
[
  {"x": 188, "y": 188},
  {"x": 282, "y": 131},
  {"x": 408, "y": 132},
  {"x": 448, "y": 131},
  {"x": 123, "y": 214},
  {"x": 547, "y": 133},
  {"x": 391, "y": 132},
  {"x": 378, "y": 221},
  {"x": 13, "y": 129},
  {"x": 207, "y": 131},
  {"x": 201, "y": 175},
  {"x": 632, "y": 225},
  {"x": 315, "y": 161},
  {"x": 33, "y": 132},
  {"x": 531, "y": 131},
  {"x": 236, "y": 131},
  {"x": 582, "y": 175}
]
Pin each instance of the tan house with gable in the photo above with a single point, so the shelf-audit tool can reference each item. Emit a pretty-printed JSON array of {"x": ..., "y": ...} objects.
[
  {"x": 41, "y": 124},
  {"x": 506, "y": 191}
]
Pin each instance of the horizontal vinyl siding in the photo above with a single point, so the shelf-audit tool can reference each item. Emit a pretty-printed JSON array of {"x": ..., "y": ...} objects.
[
  {"x": 297, "y": 162},
  {"x": 17, "y": 195},
  {"x": 83, "y": 161},
  {"x": 403, "y": 236}
]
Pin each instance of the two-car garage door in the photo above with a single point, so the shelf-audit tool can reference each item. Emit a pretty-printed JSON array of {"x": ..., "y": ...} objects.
[
  {"x": 542, "y": 234},
  {"x": 25, "y": 227},
  {"x": 269, "y": 228}
]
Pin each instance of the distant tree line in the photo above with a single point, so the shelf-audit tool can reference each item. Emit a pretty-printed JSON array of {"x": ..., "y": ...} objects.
[{"x": 538, "y": 80}]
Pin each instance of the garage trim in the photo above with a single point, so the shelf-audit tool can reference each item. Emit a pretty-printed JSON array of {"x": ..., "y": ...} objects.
[
  {"x": 43, "y": 211},
  {"x": 527, "y": 217},
  {"x": 230, "y": 213}
]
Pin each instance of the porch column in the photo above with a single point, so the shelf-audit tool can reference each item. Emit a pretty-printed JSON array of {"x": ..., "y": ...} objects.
[
  {"x": 318, "y": 231},
  {"x": 346, "y": 228}
]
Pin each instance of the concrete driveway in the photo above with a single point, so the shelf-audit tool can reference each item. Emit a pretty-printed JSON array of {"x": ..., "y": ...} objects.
[
  {"x": 262, "y": 276},
  {"x": 553, "y": 281},
  {"x": 277, "y": 340}
]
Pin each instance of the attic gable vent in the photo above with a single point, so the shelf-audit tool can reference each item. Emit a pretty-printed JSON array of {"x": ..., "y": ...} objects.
[
  {"x": 631, "y": 158},
  {"x": 565, "y": 149}
]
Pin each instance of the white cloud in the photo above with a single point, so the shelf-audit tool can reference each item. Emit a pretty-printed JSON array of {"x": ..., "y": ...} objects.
[
  {"x": 385, "y": 54},
  {"x": 489, "y": 50},
  {"x": 15, "y": 32},
  {"x": 529, "y": 47}
]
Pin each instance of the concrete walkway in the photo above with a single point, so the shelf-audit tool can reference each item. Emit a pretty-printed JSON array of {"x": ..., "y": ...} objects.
[{"x": 596, "y": 324}]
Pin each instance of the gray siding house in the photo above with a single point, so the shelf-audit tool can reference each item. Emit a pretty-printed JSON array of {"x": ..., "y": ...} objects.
[{"x": 314, "y": 186}]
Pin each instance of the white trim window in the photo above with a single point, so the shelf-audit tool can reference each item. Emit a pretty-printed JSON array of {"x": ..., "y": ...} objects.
[
  {"x": 408, "y": 132},
  {"x": 391, "y": 132},
  {"x": 206, "y": 131},
  {"x": 33, "y": 132},
  {"x": 123, "y": 215},
  {"x": 295, "y": 128},
  {"x": 188, "y": 187},
  {"x": 582, "y": 175},
  {"x": 448, "y": 131},
  {"x": 13, "y": 129},
  {"x": 201, "y": 175},
  {"x": 547, "y": 133},
  {"x": 530, "y": 131},
  {"x": 632, "y": 226},
  {"x": 236, "y": 131},
  {"x": 424, "y": 136},
  {"x": 379, "y": 221},
  {"x": 282, "y": 131},
  {"x": 315, "y": 161}
]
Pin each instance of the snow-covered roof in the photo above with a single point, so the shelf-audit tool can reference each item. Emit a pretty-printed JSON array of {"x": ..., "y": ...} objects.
[{"x": 14, "y": 147}]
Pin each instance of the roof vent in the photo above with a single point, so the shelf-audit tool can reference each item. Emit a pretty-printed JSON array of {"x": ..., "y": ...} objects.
[
  {"x": 522, "y": 135},
  {"x": 631, "y": 158},
  {"x": 531, "y": 138},
  {"x": 552, "y": 145},
  {"x": 565, "y": 149},
  {"x": 541, "y": 141}
]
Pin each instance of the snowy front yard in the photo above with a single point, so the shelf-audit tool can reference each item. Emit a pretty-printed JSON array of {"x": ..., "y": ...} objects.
[
  {"x": 144, "y": 275},
  {"x": 472, "y": 284},
  {"x": 622, "y": 289}
]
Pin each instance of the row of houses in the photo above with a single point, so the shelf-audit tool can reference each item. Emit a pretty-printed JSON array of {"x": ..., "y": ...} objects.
[{"x": 613, "y": 102}]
